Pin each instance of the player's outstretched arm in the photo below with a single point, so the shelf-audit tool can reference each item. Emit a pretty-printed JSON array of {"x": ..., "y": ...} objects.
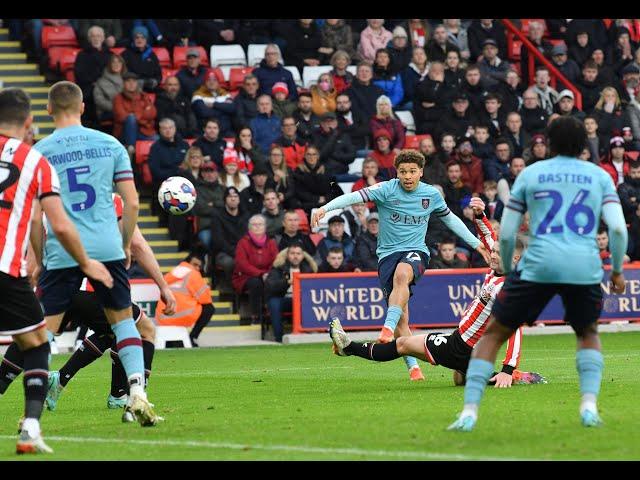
[
  {"x": 339, "y": 202},
  {"x": 131, "y": 207},
  {"x": 66, "y": 233},
  {"x": 511, "y": 220},
  {"x": 618, "y": 238}
]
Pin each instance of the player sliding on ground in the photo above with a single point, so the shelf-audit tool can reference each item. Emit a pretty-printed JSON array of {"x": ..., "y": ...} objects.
[
  {"x": 565, "y": 198},
  {"x": 453, "y": 350},
  {"x": 404, "y": 205}
]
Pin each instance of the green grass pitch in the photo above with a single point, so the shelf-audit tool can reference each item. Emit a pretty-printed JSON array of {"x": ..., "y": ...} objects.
[{"x": 301, "y": 402}]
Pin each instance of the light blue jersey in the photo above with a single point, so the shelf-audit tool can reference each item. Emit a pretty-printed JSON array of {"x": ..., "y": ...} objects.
[
  {"x": 564, "y": 197},
  {"x": 404, "y": 216},
  {"x": 88, "y": 163}
]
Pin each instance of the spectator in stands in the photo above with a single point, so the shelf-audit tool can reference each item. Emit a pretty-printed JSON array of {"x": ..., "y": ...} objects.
[
  {"x": 510, "y": 91},
  {"x": 632, "y": 111},
  {"x": 434, "y": 171},
  {"x": 365, "y": 257},
  {"x": 474, "y": 87},
  {"x": 266, "y": 126},
  {"x": 108, "y": 86},
  {"x": 630, "y": 85},
  {"x": 272, "y": 212},
  {"x": 492, "y": 68},
  {"x": 399, "y": 50},
  {"x": 170, "y": 103},
  {"x": 214, "y": 31},
  {"x": 356, "y": 219},
  {"x": 606, "y": 75},
  {"x": 176, "y": 32},
  {"x": 413, "y": 74},
  {"x": 342, "y": 78},
  {"x": 457, "y": 34},
  {"x": 280, "y": 175},
  {"x": 323, "y": 95},
  {"x": 246, "y": 102},
  {"x": 492, "y": 115},
  {"x": 134, "y": 114},
  {"x": 111, "y": 29},
  {"x": 231, "y": 176},
  {"x": 303, "y": 44},
  {"x": 89, "y": 66},
  {"x": 210, "y": 143},
  {"x": 363, "y": 93},
  {"x": 537, "y": 150},
  {"x": 290, "y": 143},
  {"x": 192, "y": 163},
  {"x": 617, "y": 162},
  {"x": 629, "y": 191},
  {"x": 307, "y": 121},
  {"x": 497, "y": 165},
  {"x": 515, "y": 135},
  {"x": 213, "y": 101},
  {"x": 534, "y": 117},
  {"x": 447, "y": 147},
  {"x": 271, "y": 71},
  {"x": 252, "y": 197},
  {"x": 210, "y": 195},
  {"x": 481, "y": 30},
  {"x": 447, "y": 257},
  {"x": 245, "y": 151},
  {"x": 282, "y": 106},
  {"x": 312, "y": 183},
  {"x": 630, "y": 143},
  {"x": 609, "y": 113},
  {"x": 493, "y": 206},
  {"x": 278, "y": 285},
  {"x": 431, "y": 100},
  {"x": 155, "y": 35},
  {"x": 458, "y": 119},
  {"x": 566, "y": 105},
  {"x": 383, "y": 154},
  {"x": 439, "y": 46},
  {"x": 141, "y": 60},
  {"x": 596, "y": 144},
  {"x": 373, "y": 38},
  {"x": 165, "y": 158},
  {"x": 623, "y": 51},
  {"x": 588, "y": 86},
  {"x": 483, "y": 145},
  {"x": 581, "y": 51},
  {"x": 454, "y": 189},
  {"x": 291, "y": 234},
  {"x": 536, "y": 32},
  {"x": 470, "y": 165},
  {"x": 418, "y": 31},
  {"x": 351, "y": 122},
  {"x": 192, "y": 75},
  {"x": 336, "y": 237},
  {"x": 385, "y": 119},
  {"x": 194, "y": 305},
  {"x": 255, "y": 254},
  {"x": 336, "y": 36},
  {"x": 334, "y": 262},
  {"x": 228, "y": 226},
  {"x": 506, "y": 182},
  {"x": 336, "y": 150},
  {"x": 370, "y": 176},
  {"x": 453, "y": 73},
  {"x": 547, "y": 96},
  {"x": 386, "y": 78},
  {"x": 569, "y": 68}
]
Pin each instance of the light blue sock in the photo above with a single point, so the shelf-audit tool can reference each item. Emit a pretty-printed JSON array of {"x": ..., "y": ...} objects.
[
  {"x": 410, "y": 362},
  {"x": 478, "y": 374},
  {"x": 129, "y": 347},
  {"x": 394, "y": 312},
  {"x": 589, "y": 363}
]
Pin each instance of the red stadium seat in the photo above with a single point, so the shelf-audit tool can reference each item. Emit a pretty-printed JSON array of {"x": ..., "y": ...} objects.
[
  {"x": 180, "y": 56},
  {"x": 143, "y": 147},
  {"x": 304, "y": 221},
  {"x": 62, "y": 36},
  {"x": 68, "y": 59},
  {"x": 514, "y": 50},
  {"x": 220, "y": 76},
  {"x": 117, "y": 50},
  {"x": 316, "y": 238},
  {"x": 190, "y": 140},
  {"x": 163, "y": 56},
  {"x": 632, "y": 155},
  {"x": 55, "y": 54},
  {"x": 236, "y": 76},
  {"x": 413, "y": 141}
]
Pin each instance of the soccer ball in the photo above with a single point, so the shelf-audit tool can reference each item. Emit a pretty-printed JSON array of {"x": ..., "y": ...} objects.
[{"x": 177, "y": 195}]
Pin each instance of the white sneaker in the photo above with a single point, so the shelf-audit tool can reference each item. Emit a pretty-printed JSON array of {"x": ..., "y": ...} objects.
[
  {"x": 340, "y": 338},
  {"x": 143, "y": 411},
  {"x": 28, "y": 444}
]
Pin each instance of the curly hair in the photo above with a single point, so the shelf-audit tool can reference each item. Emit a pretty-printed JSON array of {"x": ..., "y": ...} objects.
[{"x": 409, "y": 156}]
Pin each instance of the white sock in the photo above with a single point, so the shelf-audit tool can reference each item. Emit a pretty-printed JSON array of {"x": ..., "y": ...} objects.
[
  {"x": 589, "y": 403},
  {"x": 137, "y": 387},
  {"x": 470, "y": 410},
  {"x": 32, "y": 427}
]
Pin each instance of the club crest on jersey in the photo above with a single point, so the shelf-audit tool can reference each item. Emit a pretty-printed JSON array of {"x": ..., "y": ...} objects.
[{"x": 425, "y": 203}]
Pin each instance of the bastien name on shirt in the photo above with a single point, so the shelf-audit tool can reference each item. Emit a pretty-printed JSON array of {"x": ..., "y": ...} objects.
[
  {"x": 78, "y": 155},
  {"x": 564, "y": 178},
  {"x": 409, "y": 219}
]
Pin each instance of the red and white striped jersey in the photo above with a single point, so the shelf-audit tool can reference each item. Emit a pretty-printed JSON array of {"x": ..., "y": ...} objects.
[
  {"x": 475, "y": 318},
  {"x": 25, "y": 176}
]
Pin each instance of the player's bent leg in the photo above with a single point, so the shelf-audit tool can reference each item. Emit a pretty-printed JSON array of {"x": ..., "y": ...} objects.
[
  {"x": 343, "y": 346},
  {"x": 403, "y": 330},
  {"x": 412, "y": 345},
  {"x": 589, "y": 363}
]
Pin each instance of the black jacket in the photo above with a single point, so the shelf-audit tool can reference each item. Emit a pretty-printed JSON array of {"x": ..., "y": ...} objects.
[
  {"x": 174, "y": 30},
  {"x": 311, "y": 184},
  {"x": 252, "y": 200},
  {"x": 227, "y": 230},
  {"x": 477, "y": 34},
  {"x": 431, "y": 91},
  {"x": 453, "y": 195},
  {"x": 590, "y": 92},
  {"x": 147, "y": 68},
  {"x": 358, "y": 131},
  {"x": 286, "y": 190},
  {"x": 336, "y": 150},
  {"x": 534, "y": 120},
  {"x": 210, "y": 197},
  {"x": 629, "y": 193},
  {"x": 90, "y": 64},
  {"x": 165, "y": 157},
  {"x": 436, "y": 53},
  {"x": 214, "y": 150},
  {"x": 476, "y": 94},
  {"x": 306, "y": 128},
  {"x": 285, "y": 240},
  {"x": 179, "y": 110},
  {"x": 302, "y": 43},
  {"x": 451, "y": 122},
  {"x": 246, "y": 109},
  {"x": 364, "y": 97},
  {"x": 207, "y": 31},
  {"x": 277, "y": 282},
  {"x": 190, "y": 82},
  {"x": 364, "y": 255}
]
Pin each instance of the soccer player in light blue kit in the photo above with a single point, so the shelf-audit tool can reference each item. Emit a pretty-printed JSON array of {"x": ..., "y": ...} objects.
[
  {"x": 404, "y": 205},
  {"x": 565, "y": 198},
  {"x": 88, "y": 163}
]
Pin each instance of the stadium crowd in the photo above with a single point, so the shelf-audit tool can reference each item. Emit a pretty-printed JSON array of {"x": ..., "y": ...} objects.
[{"x": 265, "y": 152}]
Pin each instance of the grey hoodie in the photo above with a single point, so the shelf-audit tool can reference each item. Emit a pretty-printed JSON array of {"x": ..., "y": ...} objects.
[{"x": 106, "y": 88}]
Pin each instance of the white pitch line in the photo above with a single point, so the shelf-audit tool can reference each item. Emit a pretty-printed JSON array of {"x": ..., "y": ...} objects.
[{"x": 285, "y": 448}]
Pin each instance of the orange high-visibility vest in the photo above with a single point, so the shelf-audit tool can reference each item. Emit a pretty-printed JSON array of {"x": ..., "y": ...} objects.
[{"x": 191, "y": 292}]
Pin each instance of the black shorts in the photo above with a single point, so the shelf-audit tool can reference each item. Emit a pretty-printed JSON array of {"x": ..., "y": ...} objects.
[
  {"x": 387, "y": 268},
  {"x": 20, "y": 311},
  {"x": 56, "y": 288},
  {"x": 521, "y": 301},
  {"x": 86, "y": 310},
  {"x": 448, "y": 350}
]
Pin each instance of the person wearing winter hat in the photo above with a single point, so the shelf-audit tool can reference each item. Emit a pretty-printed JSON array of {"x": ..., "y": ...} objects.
[
  {"x": 140, "y": 59},
  {"x": 383, "y": 154},
  {"x": 617, "y": 162},
  {"x": 399, "y": 49},
  {"x": 230, "y": 176},
  {"x": 537, "y": 149},
  {"x": 282, "y": 106}
]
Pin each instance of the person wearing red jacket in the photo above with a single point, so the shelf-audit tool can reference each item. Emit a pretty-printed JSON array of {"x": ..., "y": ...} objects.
[
  {"x": 383, "y": 154},
  {"x": 471, "y": 166},
  {"x": 255, "y": 254},
  {"x": 386, "y": 120},
  {"x": 134, "y": 113},
  {"x": 617, "y": 162}
]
